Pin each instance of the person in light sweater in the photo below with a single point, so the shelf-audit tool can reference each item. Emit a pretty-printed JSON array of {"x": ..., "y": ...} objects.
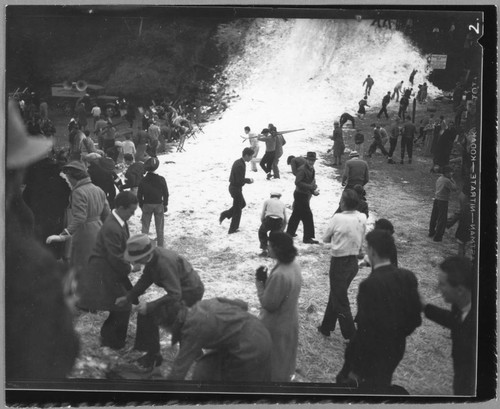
[
  {"x": 273, "y": 218},
  {"x": 345, "y": 232}
]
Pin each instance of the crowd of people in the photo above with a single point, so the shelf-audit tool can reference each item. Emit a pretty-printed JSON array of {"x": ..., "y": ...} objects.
[{"x": 82, "y": 227}]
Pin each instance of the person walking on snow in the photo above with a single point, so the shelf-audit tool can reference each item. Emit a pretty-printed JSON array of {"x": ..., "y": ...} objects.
[
  {"x": 385, "y": 102},
  {"x": 362, "y": 104},
  {"x": 377, "y": 142},
  {"x": 397, "y": 90},
  {"x": 407, "y": 137},
  {"x": 305, "y": 183},
  {"x": 369, "y": 84},
  {"x": 236, "y": 182}
]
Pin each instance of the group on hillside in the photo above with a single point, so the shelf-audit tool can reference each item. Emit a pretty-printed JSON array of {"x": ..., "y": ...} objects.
[{"x": 219, "y": 336}]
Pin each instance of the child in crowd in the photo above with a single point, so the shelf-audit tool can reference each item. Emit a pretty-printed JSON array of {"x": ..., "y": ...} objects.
[{"x": 153, "y": 199}]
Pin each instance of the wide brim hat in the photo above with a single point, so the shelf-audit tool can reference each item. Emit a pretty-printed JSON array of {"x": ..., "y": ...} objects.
[
  {"x": 311, "y": 156},
  {"x": 22, "y": 149},
  {"x": 138, "y": 246}
]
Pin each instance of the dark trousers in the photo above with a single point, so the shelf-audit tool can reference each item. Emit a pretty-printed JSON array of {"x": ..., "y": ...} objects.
[
  {"x": 269, "y": 224},
  {"x": 114, "y": 329},
  {"x": 266, "y": 163},
  {"x": 406, "y": 144},
  {"x": 377, "y": 143},
  {"x": 342, "y": 272},
  {"x": 152, "y": 148},
  {"x": 439, "y": 217},
  {"x": 301, "y": 213},
  {"x": 402, "y": 111},
  {"x": 392, "y": 146},
  {"x": 234, "y": 213},
  {"x": 147, "y": 336},
  {"x": 107, "y": 144},
  {"x": 383, "y": 110}
]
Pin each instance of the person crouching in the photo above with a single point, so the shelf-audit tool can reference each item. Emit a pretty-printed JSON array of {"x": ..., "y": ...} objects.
[{"x": 273, "y": 218}]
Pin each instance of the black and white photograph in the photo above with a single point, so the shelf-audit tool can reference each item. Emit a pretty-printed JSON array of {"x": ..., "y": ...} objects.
[{"x": 249, "y": 203}]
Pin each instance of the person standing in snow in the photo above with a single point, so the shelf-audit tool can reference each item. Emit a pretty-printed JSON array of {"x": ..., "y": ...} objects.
[
  {"x": 369, "y": 84},
  {"x": 266, "y": 163},
  {"x": 362, "y": 104},
  {"x": 254, "y": 144},
  {"x": 397, "y": 90}
]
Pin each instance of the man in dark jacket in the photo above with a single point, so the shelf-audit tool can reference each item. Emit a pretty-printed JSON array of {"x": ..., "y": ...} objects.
[
  {"x": 239, "y": 344},
  {"x": 388, "y": 311},
  {"x": 152, "y": 194},
  {"x": 456, "y": 283},
  {"x": 407, "y": 137},
  {"x": 106, "y": 277},
  {"x": 355, "y": 172},
  {"x": 305, "y": 187},
  {"x": 385, "y": 102},
  {"x": 346, "y": 117},
  {"x": 236, "y": 181},
  {"x": 167, "y": 270},
  {"x": 369, "y": 84}
]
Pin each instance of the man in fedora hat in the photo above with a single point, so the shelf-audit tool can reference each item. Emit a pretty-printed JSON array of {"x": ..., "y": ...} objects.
[
  {"x": 236, "y": 182},
  {"x": 273, "y": 218},
  {"x": 305, "y": 187},
  {"x": 167, "y": 270},
  {"x": 355, "y": 171}
]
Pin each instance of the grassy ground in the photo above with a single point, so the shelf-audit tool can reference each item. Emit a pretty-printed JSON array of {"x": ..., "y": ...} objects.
[{"x": 400, "y": 193}]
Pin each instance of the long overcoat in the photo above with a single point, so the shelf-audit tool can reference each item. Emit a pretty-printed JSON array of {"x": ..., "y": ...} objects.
[
  {"x": 279, "y": 299},
  {"x": 106, "y": 276},
  {"x": 88, "y": 208}
]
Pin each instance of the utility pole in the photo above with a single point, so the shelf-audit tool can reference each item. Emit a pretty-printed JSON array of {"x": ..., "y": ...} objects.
[{"x": 140, "y": 27}]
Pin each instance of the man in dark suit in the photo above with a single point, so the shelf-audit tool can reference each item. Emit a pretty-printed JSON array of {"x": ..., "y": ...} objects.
[
  {"x": 388, "y": 311},
  {"x": 236, "y": 181},
  {"x": 456, "y": 283},
  {"x": 106, "y": 278}
]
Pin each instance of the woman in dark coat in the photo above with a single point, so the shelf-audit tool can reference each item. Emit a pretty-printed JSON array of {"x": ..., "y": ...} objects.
[{"x": 278, "y": 296}]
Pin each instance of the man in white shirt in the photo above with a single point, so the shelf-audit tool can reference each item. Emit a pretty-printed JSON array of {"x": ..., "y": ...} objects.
[
  {"x": 273, "y": 218},
  {"x": 345, "y": 232}
]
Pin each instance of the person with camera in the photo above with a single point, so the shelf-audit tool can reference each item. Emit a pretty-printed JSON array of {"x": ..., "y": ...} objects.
[
  {"x": 278, "y": 295},
  {"x": 305, "y": 183}
]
